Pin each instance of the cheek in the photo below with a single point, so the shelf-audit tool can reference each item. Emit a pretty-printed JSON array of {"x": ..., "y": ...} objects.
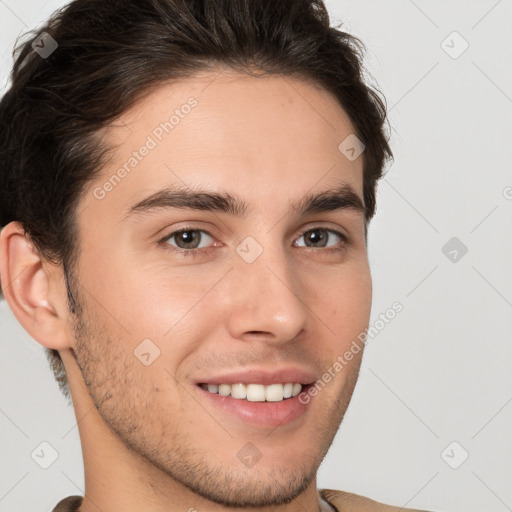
[
  {"x": 145, "y": 299},
  {"x": 174, "y": 309},
  {"x": 347, "y": 302}
]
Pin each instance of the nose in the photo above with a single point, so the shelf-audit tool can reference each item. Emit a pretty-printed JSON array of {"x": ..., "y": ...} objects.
[{"x": 265, "y": 299}]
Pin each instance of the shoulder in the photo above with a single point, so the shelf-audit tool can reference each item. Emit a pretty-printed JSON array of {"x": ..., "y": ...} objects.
[{"x": 347, "y": 502}]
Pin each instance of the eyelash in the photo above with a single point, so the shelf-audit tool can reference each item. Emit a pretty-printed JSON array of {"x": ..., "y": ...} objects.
[{"x": 198, "y": 252}]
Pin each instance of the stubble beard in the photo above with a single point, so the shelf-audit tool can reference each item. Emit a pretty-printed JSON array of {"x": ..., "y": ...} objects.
[{"x": 115, "y": 394}]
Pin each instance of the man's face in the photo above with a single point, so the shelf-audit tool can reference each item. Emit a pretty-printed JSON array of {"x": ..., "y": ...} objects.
[{"x": 265, "y": 296}]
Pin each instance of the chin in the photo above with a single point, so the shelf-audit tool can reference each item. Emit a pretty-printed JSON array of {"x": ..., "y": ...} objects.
[{"x": 249, "y": 488}]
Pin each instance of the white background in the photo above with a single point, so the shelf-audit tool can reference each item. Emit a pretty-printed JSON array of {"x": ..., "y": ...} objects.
[{"x": 441, "y": 370}]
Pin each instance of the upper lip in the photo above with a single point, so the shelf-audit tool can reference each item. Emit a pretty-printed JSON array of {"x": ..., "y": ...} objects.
[{"x": 262, "y": 376}]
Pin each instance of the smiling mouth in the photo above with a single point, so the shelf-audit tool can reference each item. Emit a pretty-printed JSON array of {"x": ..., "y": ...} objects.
[{"x": 256, "y": 392}]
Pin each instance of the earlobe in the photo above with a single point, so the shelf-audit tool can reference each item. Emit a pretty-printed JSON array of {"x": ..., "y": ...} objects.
[{"x": 26, "y": 283}]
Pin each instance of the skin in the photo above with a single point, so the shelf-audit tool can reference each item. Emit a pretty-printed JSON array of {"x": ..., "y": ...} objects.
[{"x": 147, "y": 445}]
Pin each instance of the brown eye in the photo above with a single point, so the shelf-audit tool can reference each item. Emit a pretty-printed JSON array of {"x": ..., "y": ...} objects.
[
  {"x": 188, "y": 241},
  {"x": 320, "y": 237}
]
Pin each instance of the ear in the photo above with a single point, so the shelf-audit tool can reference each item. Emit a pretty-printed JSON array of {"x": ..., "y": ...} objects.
[{"x": 27, "y": 280}]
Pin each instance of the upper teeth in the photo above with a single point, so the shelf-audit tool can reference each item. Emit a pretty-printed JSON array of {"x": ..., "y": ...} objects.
[{"x": 256, "y": 392}]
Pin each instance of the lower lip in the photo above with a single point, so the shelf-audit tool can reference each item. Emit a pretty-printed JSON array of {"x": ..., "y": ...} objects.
[{"x": 262, "y": 414}]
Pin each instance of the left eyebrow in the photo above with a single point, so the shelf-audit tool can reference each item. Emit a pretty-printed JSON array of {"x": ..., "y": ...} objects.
[{"x": 342, "y": 198}]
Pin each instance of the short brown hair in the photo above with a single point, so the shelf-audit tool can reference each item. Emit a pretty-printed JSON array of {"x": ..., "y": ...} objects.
[{"x": 112, "y": 52}]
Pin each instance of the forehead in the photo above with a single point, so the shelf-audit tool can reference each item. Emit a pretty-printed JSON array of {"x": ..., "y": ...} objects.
[{"x": 267, "y": 137}]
